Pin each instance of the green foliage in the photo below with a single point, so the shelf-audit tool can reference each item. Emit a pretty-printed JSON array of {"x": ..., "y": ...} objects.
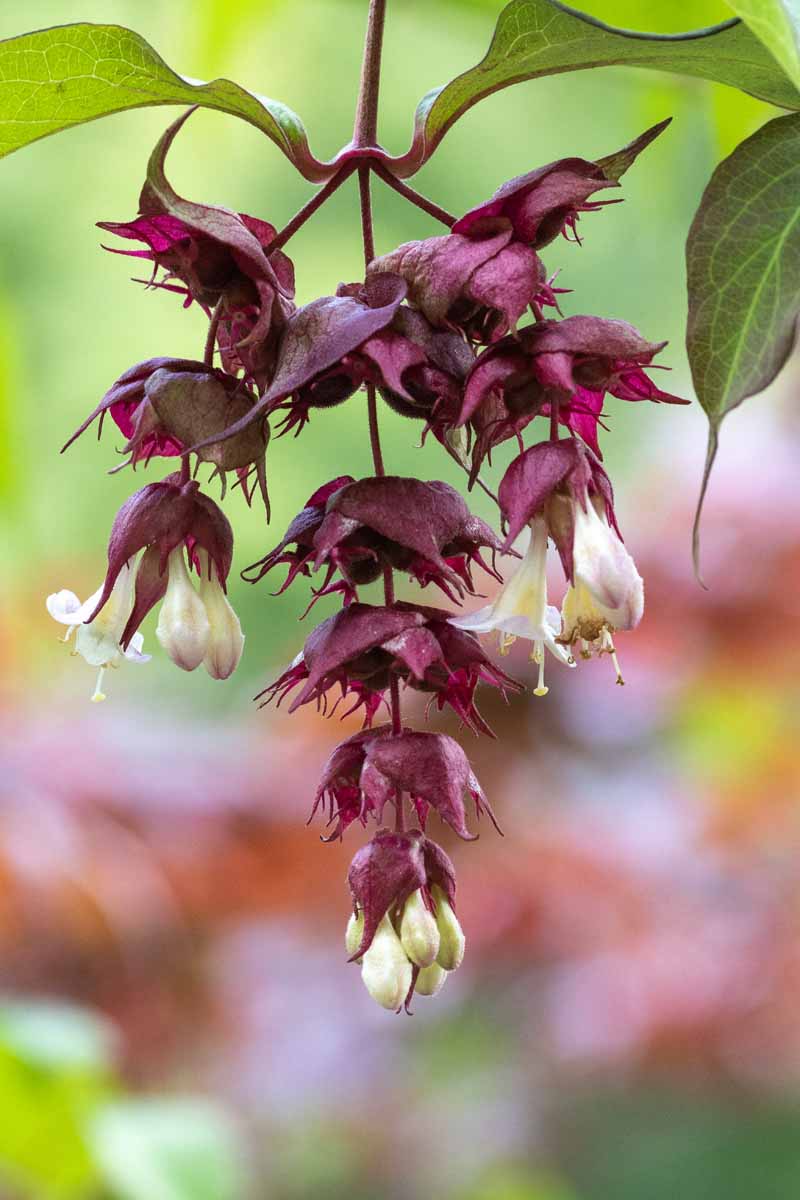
[
  {"x": 777, "y": 24},
  {"x": 743, "y": 266},
  {"x": 66, "y": 1134},
  {"x": 57, "y": 78},
  {"x": 54, "y": 1071},
  {"x": 166, "y": 1150},
  {"x": 540, "y": 37}
]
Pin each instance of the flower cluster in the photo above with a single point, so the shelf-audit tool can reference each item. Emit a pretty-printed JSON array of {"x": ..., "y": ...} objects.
[{"x": 463, "y": 333}]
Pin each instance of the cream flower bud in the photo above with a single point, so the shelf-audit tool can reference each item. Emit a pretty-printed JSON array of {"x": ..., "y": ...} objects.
[
  {"x": 419, "y": 933},
  {"x": 226, "y": 640},
  {"x": 430, "y": 980},
  {"x": 354, "y": 933},
  {"x": 183, "y": 628},
  {"x": 386, "y": 971},
  {"x": 452, "y": 940}
]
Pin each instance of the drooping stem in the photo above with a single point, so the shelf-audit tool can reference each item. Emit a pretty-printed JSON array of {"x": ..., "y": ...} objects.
[
  {"x": 211, "y": 337},
  {"x": 554, "y": 410},
  {"x": 377, "y": 457},
  {"x": 368, "y": 238},
  {"x": 365, "y": 130},
  {"x": 416, "y": 198},
  {"x": 310, "y": 207},
  {"x": 367, "y": 234}
]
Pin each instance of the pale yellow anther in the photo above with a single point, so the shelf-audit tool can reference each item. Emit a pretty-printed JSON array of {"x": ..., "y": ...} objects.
[
  {"x": 537, "y": 656},
  {"x": 506, "y": 642},
  {"x": 609, "y": 648}
]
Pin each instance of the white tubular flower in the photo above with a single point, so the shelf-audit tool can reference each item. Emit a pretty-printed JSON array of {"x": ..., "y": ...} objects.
[
  {"x": 354, "y": 933},
  {"x": 431, "y": 980},
  {"x": 452, "y": 941},
  {"x": 183, "y": 629},
  {"x": 419, "y": 933},
  {"x": 226, "y": 640},
  {"x": 386, "y": 971},
  {"x": 98, "y": 641},
  {"x": 608, "y": 592},
  {"x": 521, "y": 609}
]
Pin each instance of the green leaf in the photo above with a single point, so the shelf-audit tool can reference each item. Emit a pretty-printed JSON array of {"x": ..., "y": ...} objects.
[
  {"x": 167, "y": 1150},
  {"x": 56, "y": 1037},
  {"x": 56, "y": 78},
  {"x": 54, "y": 1062},
  {"x": 743, "y": 267},
  {"x": 543, "y": 37},
  {"x": 777, "y": 24}
]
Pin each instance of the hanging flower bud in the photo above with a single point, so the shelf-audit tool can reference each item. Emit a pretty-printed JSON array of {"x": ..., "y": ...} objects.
[
  {"x": 607, "y": 593},
  {"x": 419, "y": 932},
  {"x": 451, "y": 936},
  {"x": 225, "y": 638},
  {"x": 353, "y": 934},
  {"x": 403, "y": 889},
  {"x": 359, "y": 528},
  {"x": 430, "y": 980},
  {"x": 572, "y": 363},
  {"x": 386, "y": 971},
  {"x": 219, "y": 257},
  {"x": 183, "y": 628},
  {"x": 479, "y": 286},
  {"x": 98, "y": 640},
  {"x": 177, "y": 527},
  {"x": 548, "y": 201},
  {"x": 362, "y": 647}
]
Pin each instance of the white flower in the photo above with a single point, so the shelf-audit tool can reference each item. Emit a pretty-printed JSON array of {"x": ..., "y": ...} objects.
[
  {"x": 98, "y": 641},
  {"x": 183, "y": 629},
  {"x": 521, "y": 608},
  {"x": 226, "y": 640},
  {"x": 385, "y": 970},
  {"x": 608, "y": 592}
]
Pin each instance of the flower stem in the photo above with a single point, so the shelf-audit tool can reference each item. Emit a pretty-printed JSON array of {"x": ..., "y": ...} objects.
[
  {"x": 368, "y": 238},
  {"x": 365, "y": 130},
  {"x": 416, "y": 198},
  {"x": 211, "y": 337},
  {"x": 554, "y": 407},
  {"x": 310, "y": 207},
  {"x": 365, "y": 120}
]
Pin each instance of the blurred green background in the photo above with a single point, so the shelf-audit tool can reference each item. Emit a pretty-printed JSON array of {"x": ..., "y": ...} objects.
[{"x": 178, "y": 1019}]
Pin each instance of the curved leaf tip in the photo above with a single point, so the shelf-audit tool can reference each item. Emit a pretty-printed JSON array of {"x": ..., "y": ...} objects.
[
  {"x": 543, "y": 37},
  {"x": 54, "y": 79},
  {"x": 711, "y": 454}
]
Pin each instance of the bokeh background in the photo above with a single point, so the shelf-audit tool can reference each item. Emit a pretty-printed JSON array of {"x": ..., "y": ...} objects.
[{"x": 177, "y": 1019}]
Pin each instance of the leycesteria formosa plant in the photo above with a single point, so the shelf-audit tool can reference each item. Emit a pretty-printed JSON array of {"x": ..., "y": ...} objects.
[{"x": 462, "y": 332}]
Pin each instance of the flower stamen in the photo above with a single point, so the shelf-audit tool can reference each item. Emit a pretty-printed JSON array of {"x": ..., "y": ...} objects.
[
  {"x": 537, "y": 656},
  {"x": 98, "y": 695}
]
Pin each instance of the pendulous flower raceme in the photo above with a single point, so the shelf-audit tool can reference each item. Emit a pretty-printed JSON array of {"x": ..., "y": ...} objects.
[
  {"x": 463, "y": 333},
  {"x": 159, "y": 535}
]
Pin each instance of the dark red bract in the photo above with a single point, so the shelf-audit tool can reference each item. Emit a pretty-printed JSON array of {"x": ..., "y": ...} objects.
[
  {"x": 480, "y": 286},
  {"x": 385, "y": 872},
  {"x": 157, "y": 519},
  {"x": 356, "y": 529},
  {"x": 362, "y": 647},
  {"x": 376, "y": 767},
  {"x": 572, "y": 363}
]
